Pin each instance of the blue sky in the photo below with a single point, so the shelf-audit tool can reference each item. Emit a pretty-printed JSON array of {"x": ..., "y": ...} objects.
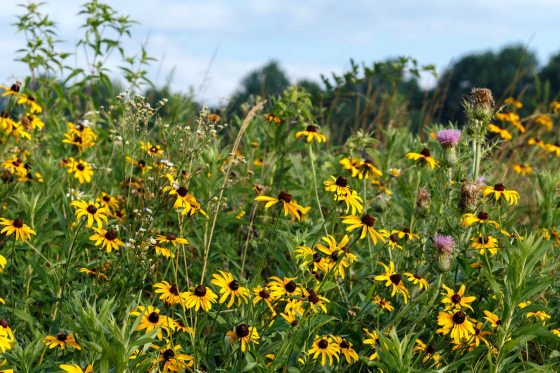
[{"x": 210, "y": 45}]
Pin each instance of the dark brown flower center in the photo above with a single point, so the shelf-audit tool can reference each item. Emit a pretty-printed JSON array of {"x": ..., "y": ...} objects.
[
  {"x": 153, "y": 317},
  {"x": 62, "y": 336},
  {"x": 459, "y": 317},
  {"x": 234, "y": 285},
  {"x": 171, "y": 237},
  {"x": 316, "y": 257},
  {"x": 393, "y": 238},
  {"x": 418, "y": 277},
  {"x": 77, "y": 139},
  {"x": 153, "y": 149},
  {"x": 15, "y": 87},
  {"x": 141, "y": 163},
  {"x": 499, "y": 187},
  {"x": 311, "y": 129},
  {"x": 91, "y": 209},
  {"x": 4, "y": 323},
  {"x": 286, "y": 197},
  {"x": 430, "y": 349},
  {"x": 341, "y": 181},
  {"x": 313, "y": 297},
  {"x": 290, "y": 287},
  {"x": 106, "y": 198},
  {"x": 334, "y": 256},
  {"x": 482, "y": 216},
  {"x": 182, "y": 191},
  {"x": 242, "y": 330},
  {"x": 168, "y": 354},
  {"x": 81, "y": 167},
  {"x": 368, "y": 220},
  {"x": 406, "y": 230},
  {"x": 395, "y": 278},
  {"x": 456, "y": 298},
  {"x": 323, "y": 344},
  {"x": 110, "y": 235},
  {"x": 426, "y": 152},
  {"x": 200, "y": 291},
  {"x": 173, "y": 289},
  {"x": 344, "y": 344},
  {"x": 18, "y": 223},
  {"x": 264, "y": 294}
]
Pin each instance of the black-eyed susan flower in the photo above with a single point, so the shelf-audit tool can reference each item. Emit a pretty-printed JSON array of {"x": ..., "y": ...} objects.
[
  {"x": 107, "y": 239},
  {"x": 417, "y": 280},
  {"x": 186, "y": 202},
  {"x": 392, "y": 240},
  {"x": 180, "y": 326},
  {"x": 151, "y": 150},
  {"x": 283, "y": 287},
  {"x": 22, "y": 231},
  {"x": 336, "y": 255},
  {"x": 405, "y": 233},
  {"x": 140, "y": 164},
  {"x": 290, "y": 206},
  {"x": 61, "y": 340},
  {"x": 457, "y": 324},
  {"x": 92, "y": 211},
  {"x": 271, "y": 118},
  {"x": 365, "y": 223},
  {"x": 262, "y": 294},
  {"x": 499, "y": 191},
  {"x": 3, "y": 263},
  {"x": 200, "y": 297},
  {"x": 244, "y": 335},
  {"x": 429, "y": 350},
  {"x": 393, "y": 280},
  {"x": 480, "y": 219},
  {"x": 372, "y": 340},
  {"x": 94, "y": 273},
  {"x": 171, "y": 359},
  {"x": 424, "y": 158},
  {"x": 346, "y": 349},
  {"x": 541, "y": 315},
  {"x": 342, "y": 192},
  {"x": 80, "y": 169},
  {"x": 308, "y": 257},
  {"x": 316, "y": 302},
  {"x": 383, "y": 303},
  {"x": 325, "y": 348},
  {"x": 30, "y": 102},
  {"x": 171, "y": 238},
  {"x": 169, "y": 293},
  {"x": 75, "y": 368},
  {"x": 502, "y": 132},
  {"x": 230, "y": 288},
  {"x": 484, "y": 242},
  {"x": 456, "y": 300},
  {"x": 311, "y": 134},
  {"x": 513, "y": 102},
  {"x": 544, "y": 120},
  {"x": 152, "y": 319},
  {"x": 365, "y": 170},
  {"x": 13, "y": 90},
  {"x": 108, "y": 201},
  {"x": 7, "y": 339},
  {"x": 522, "y": 169},
  {"x": 556, "y": 332},
  {"x": 537, "y": 142},
  {"x": 478, "y": 337},
  {"x": 492, "y": 318}
]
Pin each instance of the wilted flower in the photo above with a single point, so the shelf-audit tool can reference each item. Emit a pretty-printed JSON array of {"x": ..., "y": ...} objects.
[
  {"x": 423, "y": 202},
  {"x": 469, "y": 196}
]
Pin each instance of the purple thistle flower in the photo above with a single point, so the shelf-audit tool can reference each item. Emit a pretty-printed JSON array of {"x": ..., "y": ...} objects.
[
  {"x": 444, "y": 244},
  {"x": 449, "y": 138}
]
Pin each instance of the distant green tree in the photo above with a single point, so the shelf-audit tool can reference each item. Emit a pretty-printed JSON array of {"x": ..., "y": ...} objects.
[
  {"x": 551, "y": 73},
  {"x": 267, "y": 81},
  {"x": 510, "y": 72}
]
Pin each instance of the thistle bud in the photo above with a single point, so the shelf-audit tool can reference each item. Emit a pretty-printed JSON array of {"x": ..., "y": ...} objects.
[
  {"x": 448, "y": 140},
  {"x": 482, "y": 104},
  {"x": 469, "y": 196},
  {"x": 444, "y": 246},
  {"x": 423, "y": 202}
]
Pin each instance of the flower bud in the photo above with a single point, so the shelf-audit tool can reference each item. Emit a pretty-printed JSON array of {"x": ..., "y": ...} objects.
[
  {"x": 423, "y": 202},
  {"x": 448, "y": 140},
  {"x": 482, "y": 104},
  {"x": 444, "y": 246}
]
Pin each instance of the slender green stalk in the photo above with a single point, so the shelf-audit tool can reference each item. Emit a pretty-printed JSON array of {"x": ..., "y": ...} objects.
[{"x": 314, "y": 174}]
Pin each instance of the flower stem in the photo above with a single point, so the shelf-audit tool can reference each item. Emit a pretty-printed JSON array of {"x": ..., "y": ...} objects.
[{"x": 315, "y": 186}]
